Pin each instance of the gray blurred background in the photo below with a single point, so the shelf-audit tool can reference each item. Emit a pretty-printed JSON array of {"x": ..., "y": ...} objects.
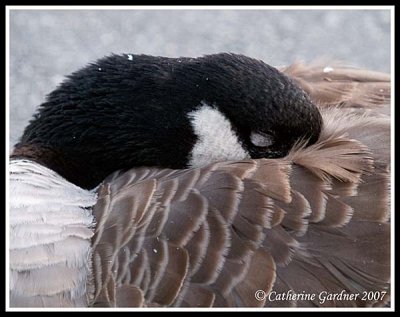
[{"x": 45, "y": 45}]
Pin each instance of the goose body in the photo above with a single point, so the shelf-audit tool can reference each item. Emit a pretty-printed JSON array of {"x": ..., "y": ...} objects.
[{"x": 239, "y": 219}]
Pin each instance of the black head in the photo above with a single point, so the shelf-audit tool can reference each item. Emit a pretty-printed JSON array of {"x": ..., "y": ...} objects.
[
  {"x": 267, "y": 109},
  {"x": 136, "y": 110}
]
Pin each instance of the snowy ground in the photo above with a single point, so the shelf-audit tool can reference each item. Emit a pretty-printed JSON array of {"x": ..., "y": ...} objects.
[{"x": 45, "y": 45}]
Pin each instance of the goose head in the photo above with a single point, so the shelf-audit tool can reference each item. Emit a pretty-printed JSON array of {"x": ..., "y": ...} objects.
[{"x": 124, "y": 111}]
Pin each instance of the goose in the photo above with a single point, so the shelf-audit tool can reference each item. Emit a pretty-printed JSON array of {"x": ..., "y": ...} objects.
[{"x": 216, "y": 181}]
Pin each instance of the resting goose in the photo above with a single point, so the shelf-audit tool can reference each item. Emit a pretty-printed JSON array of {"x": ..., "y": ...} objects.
[{"x": 196, "y": 182}]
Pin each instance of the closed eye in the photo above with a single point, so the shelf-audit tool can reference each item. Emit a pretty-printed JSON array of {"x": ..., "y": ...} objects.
[{"x": 261, "y": 139}]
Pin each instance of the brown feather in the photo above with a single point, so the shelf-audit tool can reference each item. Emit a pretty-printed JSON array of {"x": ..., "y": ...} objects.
[
  {"x": 216, "y": 251},
  {"x": 172, "y": 280},
  {"x": 197, "y": 247},
  {"x": 194, "y": 295},
  {"x": 129, "y": 296},
  {"x": 261, "y": 276},
  {"x": 341, "y": 85}
]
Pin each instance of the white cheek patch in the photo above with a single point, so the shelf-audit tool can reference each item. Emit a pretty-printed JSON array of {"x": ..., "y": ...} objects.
[{"x": 216, "y": 139}]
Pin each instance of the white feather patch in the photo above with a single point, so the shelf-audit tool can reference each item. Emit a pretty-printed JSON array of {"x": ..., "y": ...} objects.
[
  {"x": 51, "y": 226},
  {"x": 216, "y": 139}
]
